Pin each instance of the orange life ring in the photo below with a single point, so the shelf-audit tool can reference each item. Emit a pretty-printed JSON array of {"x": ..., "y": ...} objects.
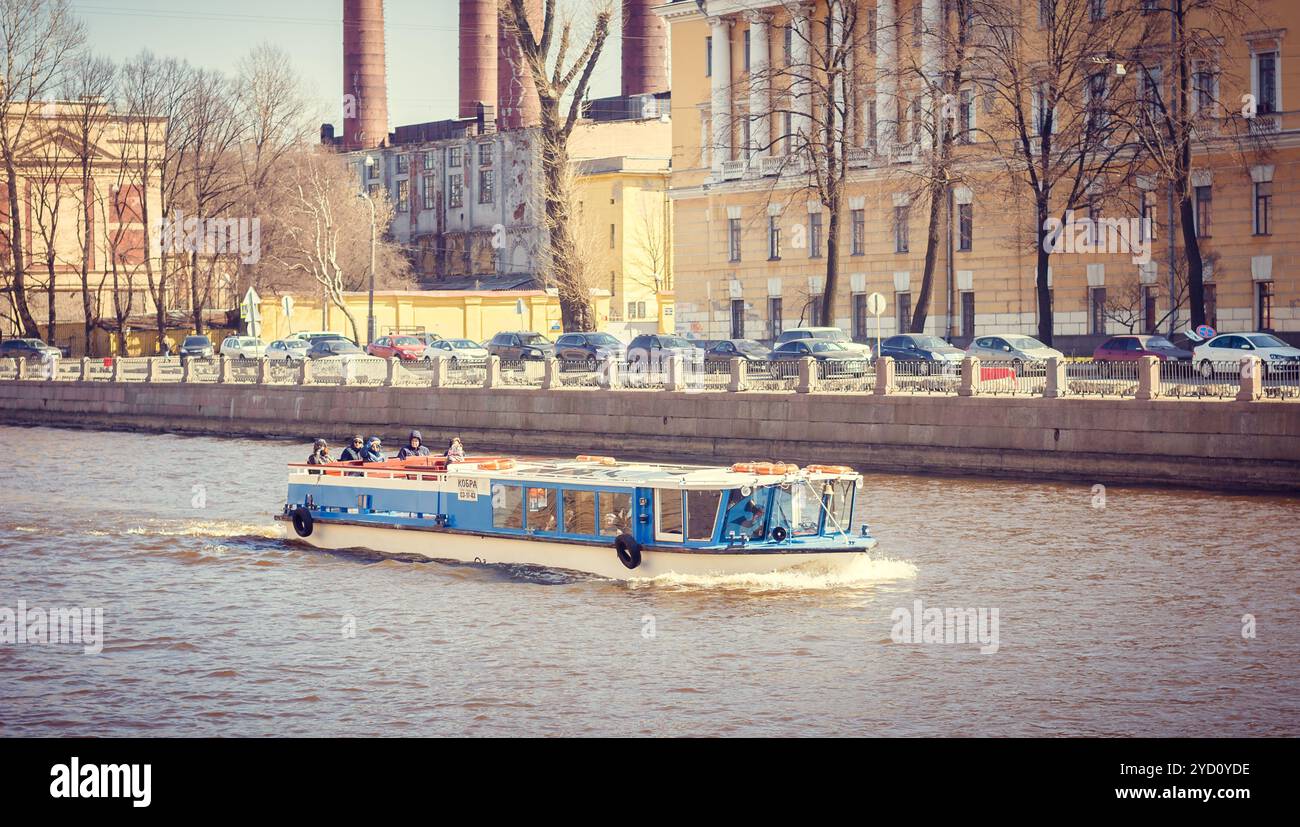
[{"x": 744, "y": 468}]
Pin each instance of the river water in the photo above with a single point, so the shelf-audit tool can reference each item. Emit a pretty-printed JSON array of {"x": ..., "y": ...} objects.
[{"x": 1126, "y": 619}]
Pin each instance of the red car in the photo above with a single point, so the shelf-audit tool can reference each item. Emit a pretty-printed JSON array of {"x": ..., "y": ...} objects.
[
  {"x": 1132, "y": 348},
  {"x": 406, "y": 348}
]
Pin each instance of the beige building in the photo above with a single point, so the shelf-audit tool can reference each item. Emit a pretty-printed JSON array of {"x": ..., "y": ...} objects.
[{"x": 749, "y": 243}]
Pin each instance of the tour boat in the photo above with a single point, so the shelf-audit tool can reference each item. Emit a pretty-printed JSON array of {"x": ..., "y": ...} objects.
[{"x": 591, "y": 514}]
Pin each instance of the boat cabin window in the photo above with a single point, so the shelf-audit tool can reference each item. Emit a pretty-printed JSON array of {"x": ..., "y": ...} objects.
[
  {"x": 746, "y": 514},
  {"x": 615, "y": 513},
  {"x": 507, "y": 506},
  {"x": 840, "y": 506},
  {"x": 542, "y": 512},
  {"x": 797, "y": 509},
  {"x": 580, "y": 512},
  {"x": 695, "y": 512}
]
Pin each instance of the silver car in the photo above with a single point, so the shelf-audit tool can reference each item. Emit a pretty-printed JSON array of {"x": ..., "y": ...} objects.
[{"x": 1015, "y": 348}]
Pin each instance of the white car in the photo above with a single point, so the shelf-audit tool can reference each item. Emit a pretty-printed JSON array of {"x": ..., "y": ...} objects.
[
  {"x": 1223, "y": 353},
  {"x": 826, "y": 334},
  {"x": 243, "y": 347},
  {"x": 290, "y": 350},
  {"x": 457, "y": 350},
  {"x": 1016, "y": 348}
]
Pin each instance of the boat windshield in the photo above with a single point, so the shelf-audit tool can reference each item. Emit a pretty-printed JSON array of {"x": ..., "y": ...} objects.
[
  {"x": 839, "y": 515},
  {"x": 746, "y": 514},
  {"x": 798, "y": 510}
]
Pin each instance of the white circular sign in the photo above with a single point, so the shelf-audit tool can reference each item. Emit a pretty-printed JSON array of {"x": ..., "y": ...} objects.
[{"x": 875, "y": 304}]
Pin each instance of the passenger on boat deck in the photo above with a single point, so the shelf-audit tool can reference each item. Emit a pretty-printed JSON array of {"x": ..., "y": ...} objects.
[
  {"x": 455, "y": 451},
  {"x": 373, "y": 452},
  {"x": 414, "y": 448},
  {"x": 352, "y": 453},
  {"x": 320, "y": 453}
]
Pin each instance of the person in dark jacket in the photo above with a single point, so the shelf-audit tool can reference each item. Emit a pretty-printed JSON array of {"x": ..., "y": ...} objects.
[
  {"x": 320, "y": 453},
  {"x": 414, "y": 447},
  {"x": 352, "y": 453},
  {"x": 374, "y": 451},
  {"x": 455, "y": 451}
]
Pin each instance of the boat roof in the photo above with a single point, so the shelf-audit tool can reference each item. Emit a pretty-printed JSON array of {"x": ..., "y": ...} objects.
[{"x": 605, "y": 471}]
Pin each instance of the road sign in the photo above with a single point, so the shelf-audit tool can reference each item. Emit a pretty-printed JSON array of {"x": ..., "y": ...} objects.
[
  {"x": 519, "y": 306},
  {"x": 250, "y": 310},
  {"x": 1205, "y": 331}
]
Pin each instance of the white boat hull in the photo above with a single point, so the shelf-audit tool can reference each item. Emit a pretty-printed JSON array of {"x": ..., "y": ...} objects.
[{"x": 598, "y": 560}]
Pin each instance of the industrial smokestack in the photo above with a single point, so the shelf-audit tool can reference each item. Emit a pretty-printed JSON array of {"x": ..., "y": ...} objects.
[
  {"x": 517, "y": 102},
  {"x": 478, "y": 57},
  {"x": 365, "y": 85},
  {"x": 645, "y": 49}
]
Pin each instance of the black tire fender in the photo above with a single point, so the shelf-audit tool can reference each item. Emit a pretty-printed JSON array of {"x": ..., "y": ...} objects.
[
  {"x": 628, "y": 550},
  {"x": 302, "y": 522}
]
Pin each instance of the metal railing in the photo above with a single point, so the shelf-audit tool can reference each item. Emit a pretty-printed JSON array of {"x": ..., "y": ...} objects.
[
  {"x": 1090, "y": 378},
  {"x": 920, "y": 376},
  {"x": 1013, "y": 379},
  {"x": 1184, "y": 380}
]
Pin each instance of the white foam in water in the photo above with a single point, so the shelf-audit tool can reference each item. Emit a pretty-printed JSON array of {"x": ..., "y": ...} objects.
[
  {"x": 210, "y": 529},
  {"x": 862, "y": 572}
]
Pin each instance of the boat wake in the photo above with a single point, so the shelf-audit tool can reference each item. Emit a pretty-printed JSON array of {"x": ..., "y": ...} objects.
[
  {"x": 859, "y": 573},
  {"x": 216, "y": 529}
]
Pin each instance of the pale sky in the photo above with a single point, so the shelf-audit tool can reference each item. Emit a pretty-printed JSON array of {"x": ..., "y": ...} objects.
[{"x": 421, "y": 45}]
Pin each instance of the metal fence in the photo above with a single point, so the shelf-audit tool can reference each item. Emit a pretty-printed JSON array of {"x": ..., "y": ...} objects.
[
  {"x": 918, "y": 376},
  {"x": 1214, "y": 380},
  {"x": 1090, "y": 378},
  {"x": 1013, "y": 379}
]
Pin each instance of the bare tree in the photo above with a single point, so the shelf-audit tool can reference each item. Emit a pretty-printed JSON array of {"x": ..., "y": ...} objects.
[
  {"x": 1060, "y": 122},
  {"x": 38, "y": 38},
  {"x": 561, "y": 86},
  {"x": 50, "y": 163}
]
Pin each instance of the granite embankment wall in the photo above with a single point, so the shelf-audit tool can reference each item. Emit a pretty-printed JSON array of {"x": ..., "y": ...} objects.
[{"x": 1233, "y": 446}]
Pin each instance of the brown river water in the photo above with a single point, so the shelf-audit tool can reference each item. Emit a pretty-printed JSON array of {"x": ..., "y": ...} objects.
[{"x": 1128, "y": 619}]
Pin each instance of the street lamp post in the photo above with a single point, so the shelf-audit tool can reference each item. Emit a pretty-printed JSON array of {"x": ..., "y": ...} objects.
[{"x": 370, "y": 316}]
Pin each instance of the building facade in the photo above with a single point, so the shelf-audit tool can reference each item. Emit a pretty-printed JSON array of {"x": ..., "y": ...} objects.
[{"x": 750, "y": 247}]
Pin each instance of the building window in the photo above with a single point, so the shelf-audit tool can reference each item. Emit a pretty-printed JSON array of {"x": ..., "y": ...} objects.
[
  {"x": 901, "y": 220},
  {"x": 486, "y": 186},
  {"x": 815, "y": 235},
  {"x": 455, "y": 191},
  {"x": 747, "y": 31},
  {"x": 1204, "y": 201},
  {"x": 871, "y": 30},
  {"x": 485, "y": 155},
  {"x": 773, "y": 238},
  {"x": 403, "y": 196},
  {"x": 1203, "y": 89},
  {"x": 737, "y": 318},
  {"x": 1096, "y": 9},
  {"x": 965, "y": 227},
  {"x": 1153, "y": 95},
  {"x": 428, "y": 159},
  {"x": 968, "y": 314},
  {"x": 1211, "y": 297},
  {"x": 1098, "y": 118},
  {"x": 859, "y": 317},
  {"x": 789, "y": 45},
  {"x": 916, "y": 25},
  {"x": 375, "y": 192},
  {"x": 708, "y": 57},
  {"x": 453, "y": 156},
  {"x": 1266, "y": 83},
  {"x": 733, "y": 239},
  {"x": 870, "y": 141},
  {"x": 903, "y": 301},
  {"x": 1097, "y": 311},
  {"x": 613, "y": 236},
  {"x": 1147, "y": 226},
  {"x": 774, "y": 322},
  {"x": 1264, "y": 304},
  {"x": 1263, "y": 207},
  {"x": 858, "y": 231},
  {"x": 403, "y": 164},
  {"x": 965, "y": 116},
  {"x": 430, "y": 192},
  {"x": 1149, "y": 309},
  {"x": 1046, "y": 9}
]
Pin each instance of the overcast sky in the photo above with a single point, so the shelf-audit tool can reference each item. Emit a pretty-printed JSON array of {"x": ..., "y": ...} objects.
[{"x": 422, "y": 44}]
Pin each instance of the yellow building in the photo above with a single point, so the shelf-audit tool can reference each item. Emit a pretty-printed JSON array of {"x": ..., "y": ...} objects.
[{"x": 749, "y": 241}]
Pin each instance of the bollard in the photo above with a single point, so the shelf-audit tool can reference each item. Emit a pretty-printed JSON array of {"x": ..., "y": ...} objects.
[
  {"x": 609, "y": 375},
  {"x": 1148, "y": 368},
  {"x": 1252, "y": 380},
  {"x": 807, "y": 375},
  {"x": 676, "y": 379},
  {"x": 304, "y": 372},
  {"x": 223, "y": 371},
  {"x": 739, "y": 375},
  {"x": 884, "y": 375},
  {"x": 970, "y": 371},
  {"x": 150, "y": 369},
  {"x": 492, "y": 378},
  {"x": 116, "y": 375},
  {"x": 187, "y": 375},
  {"x": 438, "y": 373},
  {"x": 263, "y": 371},
  {"x": 20, "y": 369},
  {"x": 551, "y": 374},
  {"x": 391, "y": 378},
  {"x": 1055, "y": 387},
  {"x": 85, "y": 368}
]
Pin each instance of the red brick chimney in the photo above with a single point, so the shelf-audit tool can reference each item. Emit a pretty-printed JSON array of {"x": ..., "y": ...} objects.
[
  {"x": 517, "y": 102},
  {"x": 478, "y": 56},
  {"x": 645, "y": 49},
  {"x": 365, "y": 84}
]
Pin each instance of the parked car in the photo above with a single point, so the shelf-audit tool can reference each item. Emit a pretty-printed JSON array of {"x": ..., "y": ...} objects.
[
  {"x": 826, "y": 334},
  {"x": 917, "y": 347},
  {"x": 1015, "y": 348},
  {"x": 29, "y": 349},
  {"x": 311, "y": 337},
  {"x": 839, "y": 360},
  {"x": 196, "y": 347},
  {"x": 723, "y": 351},
  {"x": 289, "y": 350},
  {"x": 521, "y": 344},
  {"x": 1132, "y": 348},
  {"x": 651, "y": 351},
  {"x": 406, "y": 348},
  {"x": 588, "y": 348},
  {"x": 1277, "y": 355},
  {"x": 243, "y": 347},
  {"x": 334, "y": 349},
  {"x": 457, "y": 351}
]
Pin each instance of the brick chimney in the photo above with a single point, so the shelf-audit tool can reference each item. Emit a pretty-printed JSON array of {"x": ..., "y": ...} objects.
[{"x": 365, "y": 84}]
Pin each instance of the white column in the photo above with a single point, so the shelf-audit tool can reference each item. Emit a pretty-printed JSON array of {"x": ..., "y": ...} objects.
[
  {"x": 720, "y": 69},
  {"x": 931, "y": 67},
  {"x": 760, "y": 81},
  {"x": 801, "y": 85},
  {"x": 886, "y": 74}
]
